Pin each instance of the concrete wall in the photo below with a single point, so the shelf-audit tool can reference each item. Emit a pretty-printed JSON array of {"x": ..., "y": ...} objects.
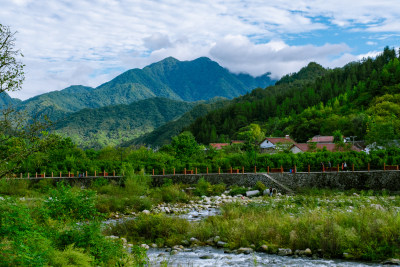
[{"x": 376, "y": 180}]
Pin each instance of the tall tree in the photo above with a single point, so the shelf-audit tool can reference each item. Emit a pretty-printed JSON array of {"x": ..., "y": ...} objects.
[{"x": 20, "y": 136}]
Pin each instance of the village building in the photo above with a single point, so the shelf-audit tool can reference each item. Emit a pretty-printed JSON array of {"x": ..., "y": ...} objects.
[
  {"x": 274, "y": 144},
  {"x": 308, "y": 147}
]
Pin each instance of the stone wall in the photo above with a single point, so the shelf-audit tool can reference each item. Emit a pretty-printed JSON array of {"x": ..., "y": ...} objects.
[{"x": 376, "y": 180}]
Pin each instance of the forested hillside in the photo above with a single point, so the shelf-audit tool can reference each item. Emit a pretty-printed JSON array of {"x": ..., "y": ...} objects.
[
  {"x": 111, "y": 125},
  {"x": 163, "y": 134},
  {"x": 360, "y": 99},
  {"x": 200, "y": 79}
]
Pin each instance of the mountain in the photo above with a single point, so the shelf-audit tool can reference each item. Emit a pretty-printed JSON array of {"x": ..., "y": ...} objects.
[
  {"x": 200, "y": 79},
  {"x": 163, "y": 134},
  {"x": 6, "y": 100},
  {"x": 96, "y": 128}
]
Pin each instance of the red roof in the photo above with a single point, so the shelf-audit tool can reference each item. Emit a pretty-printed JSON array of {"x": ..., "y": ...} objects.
[
  {"x": 218, "y": 145},
  {"x": 331, "y": 147},
  {"x": 322, "y": 139},
  {"x": 282, "y": 140}
]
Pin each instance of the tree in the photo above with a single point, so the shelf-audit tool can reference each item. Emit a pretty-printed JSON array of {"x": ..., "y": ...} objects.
[
  {"x": 185, "y": 145},
  {"x": 11, "y": 69},
  {"x": 20, "y": 136}
]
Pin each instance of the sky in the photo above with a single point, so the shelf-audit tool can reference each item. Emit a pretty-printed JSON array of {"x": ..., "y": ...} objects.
[{"x": 90, "y": 42}]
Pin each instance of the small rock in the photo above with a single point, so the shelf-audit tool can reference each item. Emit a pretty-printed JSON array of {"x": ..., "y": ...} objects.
[
  {"x": 347, "y": 256},
  {"x": 216, "y": 239},
  {"x": 284, "y": 252},
  {"x": 161, "y": 255},
  {"x": 113, "y": 237},
  {"x": 308, "y": 252},
  {"x": 174, "y": 252},
  {"x": 252, "y": 193},
  {"x": 185, "y": 242},
  {"x": 124, "y": 240},
  {"x": 391, "y": 262},
  {"x": 264, "y": 248},
  {"x": 129, "y": 245},
  {"x": 145, "y": 246},
  {"x": 194, "y": 240},
  {"x": 146, "y": 212},
  {"x": 377, "y": 206},
  {"x": 206, "y": 257},
  {"x": 245, "y": 250},
  {"x": 154, "y": 245},
  {"x": 210, "y": 241},
  {"x": 221, "y": 244}
]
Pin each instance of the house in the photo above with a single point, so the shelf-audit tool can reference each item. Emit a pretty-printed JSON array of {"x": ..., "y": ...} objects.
[
  {"x": 272, "y": 144},
  {"x": 319, "y": 139},
  {"x": 219, "y": 146},
  {"x": 307, "y": 147}
]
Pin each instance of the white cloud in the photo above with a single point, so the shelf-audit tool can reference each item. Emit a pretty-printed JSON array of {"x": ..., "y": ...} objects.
[
  {"x": 240, "y": 55},
  {"x": 68, "y": 42}
]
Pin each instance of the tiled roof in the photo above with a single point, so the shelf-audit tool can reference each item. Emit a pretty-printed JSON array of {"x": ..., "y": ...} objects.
[
  {"x": 218, "y": 145},
  {"x": 275, "y": 140},
  {"x": 322, "y": 139},
  {"x": 331, "y": 147}
]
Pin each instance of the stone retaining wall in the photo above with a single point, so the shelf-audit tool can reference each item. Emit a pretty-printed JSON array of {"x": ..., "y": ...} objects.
[{"x": 376, "y": 180}]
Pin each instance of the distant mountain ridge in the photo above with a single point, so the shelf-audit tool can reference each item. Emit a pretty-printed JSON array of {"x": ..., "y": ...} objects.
[
  {"x": 111, "y": 125},
  {"x": 199, "y": 79},
  {"x": 6, "y": 100}
]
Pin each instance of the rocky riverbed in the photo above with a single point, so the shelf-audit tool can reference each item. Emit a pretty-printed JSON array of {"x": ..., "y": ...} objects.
[{"x": 209, "y": 256}]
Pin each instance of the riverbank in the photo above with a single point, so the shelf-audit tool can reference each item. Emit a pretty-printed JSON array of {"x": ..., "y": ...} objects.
[
  {"x": 321, "y": 224},
  {"x": 60, "y": 223}
]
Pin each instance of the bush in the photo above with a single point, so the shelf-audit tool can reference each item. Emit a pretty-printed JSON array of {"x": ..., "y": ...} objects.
[
  {"x": 237, "y": 190},
  {"x": 63, "y": 203}
]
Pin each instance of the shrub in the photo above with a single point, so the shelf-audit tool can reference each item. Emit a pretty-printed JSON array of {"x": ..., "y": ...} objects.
[
  {"x": 203, "y": 188},
  {"x": 63, "y": 203},
  {"x": 237, "y": 190}
]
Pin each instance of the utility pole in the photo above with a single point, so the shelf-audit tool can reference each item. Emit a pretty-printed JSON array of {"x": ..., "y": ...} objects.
[{"x": 353, "y": 136}]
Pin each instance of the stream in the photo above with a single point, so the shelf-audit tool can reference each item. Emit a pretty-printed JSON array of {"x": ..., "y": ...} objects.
[{"x": 208, "y": 256}]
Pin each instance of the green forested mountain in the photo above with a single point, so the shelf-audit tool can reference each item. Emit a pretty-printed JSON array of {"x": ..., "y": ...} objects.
[
  {"x": 96, "y": 128},
  {"x": 361, "y": 99},
  {"x": 6, "y": 100},
  {"x": 163, "y": 134},
  {"x": 200, "y": 79}
]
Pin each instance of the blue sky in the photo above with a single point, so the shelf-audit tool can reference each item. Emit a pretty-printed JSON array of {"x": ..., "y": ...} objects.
[{"x": 89, "y": 42}]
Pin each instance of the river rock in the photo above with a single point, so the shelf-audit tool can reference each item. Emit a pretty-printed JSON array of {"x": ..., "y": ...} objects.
[
  {"x": 185, "y": 242},
  {"x": 308, "y": 252},
  {"x": 146, "y": 212},
  {"x": 145, "y": 246},
  {"x": 216, "y": 239},
  {"x": 348, "y": 256},
  {"x": 284, "y": 252},
  {"x": 221, "y": 244},
  {"x": 194, "y": 240},
  {"x": 210, "y": 241},
  {"x": 391, "y": 262},
  {"x": 154, "y": 245},
  {"x": 245, "y": 250},
  {"x": 173, "y": 252},
  {"x": 377, "y": 206},
  {"x": 206, "y": 257},
  {"x": 264, "y": 248}
]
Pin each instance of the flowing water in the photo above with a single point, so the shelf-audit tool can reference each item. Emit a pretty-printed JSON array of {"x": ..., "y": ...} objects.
[{"x": 208, "y": 256}]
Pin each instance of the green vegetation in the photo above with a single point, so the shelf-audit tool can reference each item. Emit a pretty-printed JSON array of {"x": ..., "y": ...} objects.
[
  {"x": 360, "y": 99},
  {"x": 364, "y": 226},
  {"x": 111, "y": 125}
]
